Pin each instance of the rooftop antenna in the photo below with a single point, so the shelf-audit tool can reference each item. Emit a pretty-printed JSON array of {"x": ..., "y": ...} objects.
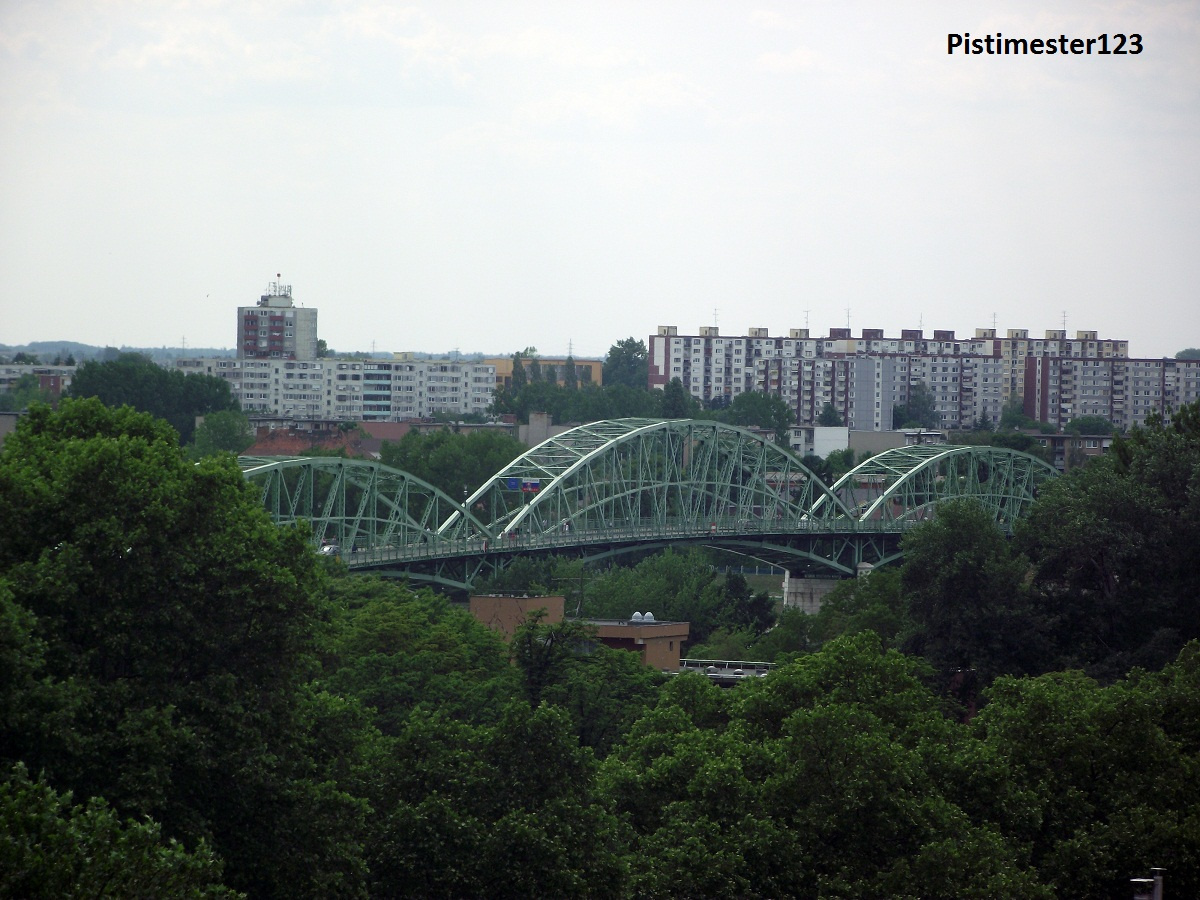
[
  {"x": 847, "y": 317},
  {"x": 1064, "y": 321},
  {"x": 715, "y": 312},
  {"x": 570, "y": 347},
  {"x": 806, "y": 320},
  {"x": 993, "y": 321}
]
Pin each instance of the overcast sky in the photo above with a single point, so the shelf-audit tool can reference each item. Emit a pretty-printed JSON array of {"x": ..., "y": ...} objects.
[{"x": 487, "y": 176}]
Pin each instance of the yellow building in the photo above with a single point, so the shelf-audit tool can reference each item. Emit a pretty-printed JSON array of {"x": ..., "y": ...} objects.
[{"x": 587, "y": 371}]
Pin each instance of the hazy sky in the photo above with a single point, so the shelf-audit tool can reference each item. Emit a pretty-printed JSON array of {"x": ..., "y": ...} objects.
[{"x": 487, "y": 176}]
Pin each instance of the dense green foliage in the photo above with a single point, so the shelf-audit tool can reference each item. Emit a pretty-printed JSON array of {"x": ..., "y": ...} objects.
[
  {"x": 227, "y": 431},
  {"x": 758, "y": 410},
  {"x": 829, "y": 417},
  {"x": 1090, "y": 425},
  {"x": 134, "y": 380},
  {"x": 51, "y": 849},
  {"x": 677, "y": 402},
  {"x": 627, "y": 363},
  {"x": 159, "y": 636},
  {"x": 452, "y": 461},
  {"x": 209, "y": 709},
  {"x": 588, "y": 403},
  {"x": 25, "y": 390},
  {"x": 920, "y": 411},
  {"x": 1009, "y": 439}
]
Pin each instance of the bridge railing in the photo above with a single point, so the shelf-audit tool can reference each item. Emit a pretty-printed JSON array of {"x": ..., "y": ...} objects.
[{"x": 433, "y": 546}]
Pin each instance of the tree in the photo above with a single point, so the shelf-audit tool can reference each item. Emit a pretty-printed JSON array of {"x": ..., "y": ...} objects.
[
  {"x": 227, "y": 431},
  {"x": 26, "y": 359},
  {"x": 967, "y": 596},
  {"x": 25, "y": 390},
  {"x": 52, "y": 849},
  {"x": 1189, "y": 353},
  {"x": 830, "y": 417},
  {"x": 919, "y": 412},
  {"x": 841, "y": 462},
  {"x": 677, "y": 403},
  {"x": 1013, "y": 415},
  {"x": 322, "y": 348},
  {"x": 1090, "y": 425},
  {"x": 1112, "y": 544},
  {"x": 587, "y": 404},
  {"x": 835, "y": 775},
  {"x": 675, "y": 586},
  {"x": 744, "y": 608},
  {"x": 451, "y": 461},
  {"x": 398, "y": 652},
  {"x": 1012, "y": 440},
  {"x": 134, "y": 380},
  {"x": 790, "y": 637},
  {"x": 627, "y": 363},
  {"x": 570, "y": 374},
  {"x": 508, "y": 811},
  {"x": 876, "y": 603},
  {"x": 519, "y": 376},
  {"x": 1101, "y": 770},
  {"x": 760, "y": 410},
  {"x": 175, "y": 627}
]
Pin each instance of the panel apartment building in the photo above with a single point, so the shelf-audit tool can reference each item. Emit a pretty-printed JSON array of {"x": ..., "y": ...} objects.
[
  {"x": 864, "y": 378},
  {"x": 276, "y": 328},
  {"x": 371, "y": 390},
  {"x": 277, "y": 372},
  {"x": 1124, "y": 391}
]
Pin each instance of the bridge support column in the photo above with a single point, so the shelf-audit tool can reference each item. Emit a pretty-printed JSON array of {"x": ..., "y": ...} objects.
[{"x": 806, "y": 594}]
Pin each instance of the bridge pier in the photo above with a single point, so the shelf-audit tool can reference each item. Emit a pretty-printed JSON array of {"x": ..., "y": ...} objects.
[{"x": 806, "y": 594}]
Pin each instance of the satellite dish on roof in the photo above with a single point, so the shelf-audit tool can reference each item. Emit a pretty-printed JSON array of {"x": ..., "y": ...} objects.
[
  {"x": 636, "y": 617},
  {"x": 648, "y": 617}
]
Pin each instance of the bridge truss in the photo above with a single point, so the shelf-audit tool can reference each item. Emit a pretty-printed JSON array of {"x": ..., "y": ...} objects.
[{"x": 616, "y": 486}]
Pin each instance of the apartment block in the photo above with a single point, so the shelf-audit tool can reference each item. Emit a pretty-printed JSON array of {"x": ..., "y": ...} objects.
[
  {"x": 1124, "y": 391},
  {"x": 373, "y": 390},
  {"x": 710, "y": 365},
  {"x": 865, "y": 377},
  {"x": 52, "y": 379},
  {"x": 276, "y": 328}
]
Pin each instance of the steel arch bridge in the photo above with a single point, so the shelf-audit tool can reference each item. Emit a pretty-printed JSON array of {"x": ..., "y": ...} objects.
[{"x": 616, "y": 486}]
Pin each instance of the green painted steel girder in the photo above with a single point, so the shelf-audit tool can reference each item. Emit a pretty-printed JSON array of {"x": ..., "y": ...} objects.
[
  {"x": 676, "y": 476},
  {"x": 351, "y": 502},
  {"x": 611, "y": 487},
  {"x": 903, "y": 486}
]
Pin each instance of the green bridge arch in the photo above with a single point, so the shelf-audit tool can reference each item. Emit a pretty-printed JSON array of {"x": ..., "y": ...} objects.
[{"x": 616, "y": 486}]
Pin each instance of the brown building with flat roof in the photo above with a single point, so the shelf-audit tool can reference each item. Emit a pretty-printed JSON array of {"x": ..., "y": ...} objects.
[
  {"x": 504, "y": 613},
  {"x": 659, "y": 644}
]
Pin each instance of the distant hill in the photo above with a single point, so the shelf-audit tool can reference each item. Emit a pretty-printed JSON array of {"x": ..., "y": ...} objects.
[{"x": 48, "y": 351}]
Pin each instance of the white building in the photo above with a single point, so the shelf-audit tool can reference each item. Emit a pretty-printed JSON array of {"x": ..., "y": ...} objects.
[
  {"x": 380, "y": 390},
  {"x": 1124, "y": 391},
  {"x": 864, "y": 378}
]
